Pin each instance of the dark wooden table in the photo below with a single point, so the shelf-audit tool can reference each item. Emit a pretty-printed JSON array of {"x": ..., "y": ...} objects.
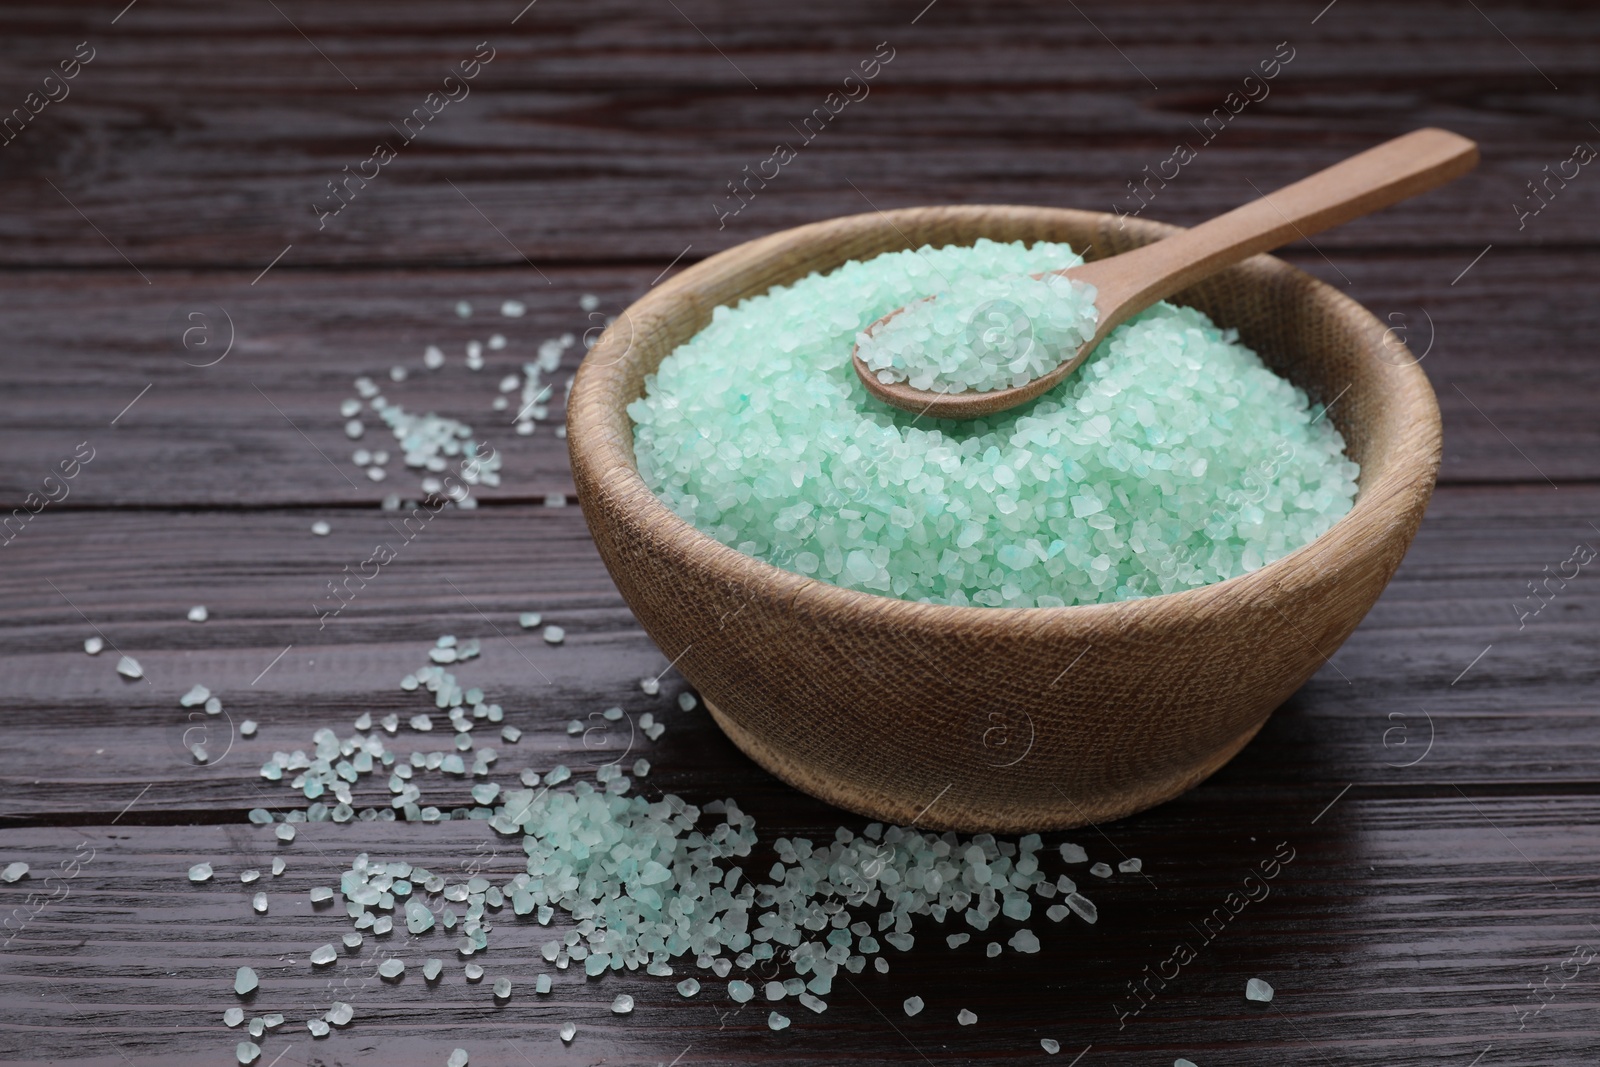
[{"x": 1435, "y": 782}]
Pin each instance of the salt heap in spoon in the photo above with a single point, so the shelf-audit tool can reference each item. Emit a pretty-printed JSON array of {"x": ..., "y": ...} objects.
[{"x": 985, "y": 334}]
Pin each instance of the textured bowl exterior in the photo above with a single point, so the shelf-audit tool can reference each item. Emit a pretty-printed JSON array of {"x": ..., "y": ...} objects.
[{"x": 1003, "y": 719}]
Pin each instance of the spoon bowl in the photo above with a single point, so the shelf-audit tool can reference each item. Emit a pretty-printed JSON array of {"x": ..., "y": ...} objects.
[{"x": 1129, "y": 283}]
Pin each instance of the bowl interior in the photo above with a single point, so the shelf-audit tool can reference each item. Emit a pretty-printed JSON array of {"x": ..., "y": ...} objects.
[{"x": 1307, "y": 332}]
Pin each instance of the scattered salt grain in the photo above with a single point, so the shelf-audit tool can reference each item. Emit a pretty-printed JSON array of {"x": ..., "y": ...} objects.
[
  {"x": 529, "y": 619},
  {"x": 245, "y": 981},
  {"x": 497, "y": 341},
  {"x": 321, "y": 528},
  {"x": 1181, "y": 1062},
  {"x": 993, "y": 949},
  {"x": 688, "y": 987},
  {"x": 686, "y": 701},
  {"x": 1257, "y": 990},
  {"x": 513, "y": 309},
  {"x": 196, "y": 695},
  {"x": 913, "y": 1005},
  {"x": 285, "y": 832},
  {"x": 1101, "y": 870},
  {"x": 1050, "y": 1045},
  {"x": 247, "y": 1052},
  {"x": 1024, "y": 941},
  {"x": 568, "y": 1032},
  {"x": 622, "y": 1005},
  {"x": 588, "y": 301},
  {"x": 650, "y": 686},
  {"x": 323, "y": 955},
  {"x": 1083, "y": 907},
  {"x": 740, "y": 991},
  {"x": 93, "y": 645},
  {"x": 339, "y": 1014},
  {"x": 248, "y": 728},
  {"x": 464, "y": 310},
  {"x": 458, "y": 1058},
  {"x": 1133, "y": 866},
  {"x": 318, "y": 1027},
  {"x": 129, "y": 667},
  {"x": 278, "y": 865},
  {"x": 1074, "y": 854},
  {"x": 433, "y": 357},
  {"x": 198, "y": 613},
  {"x": 13, "y": 872},
  {"x": 432, "y": 969},
  {"x": 392, "y": 968},
  {"x": 555, "y": 500},
  {"x": 249, "y": 876},
  {"x": 965, "y": 1017},
  {"x": 259, "y": 902},
  {"x": 776, "y": 1021},
  {"x": 200, "y": 872},
  {"x": 553, "y": 635}
]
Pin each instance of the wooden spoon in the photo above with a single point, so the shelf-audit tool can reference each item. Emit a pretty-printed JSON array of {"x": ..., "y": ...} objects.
[{"x": 1127, "y": 284}]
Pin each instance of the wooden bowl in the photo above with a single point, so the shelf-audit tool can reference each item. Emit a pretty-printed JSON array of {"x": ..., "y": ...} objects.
[{"x": 1003, "y": 719}]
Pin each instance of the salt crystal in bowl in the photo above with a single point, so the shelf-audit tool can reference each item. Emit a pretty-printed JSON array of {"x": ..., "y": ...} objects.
[{"x": 1004, "y": 719}]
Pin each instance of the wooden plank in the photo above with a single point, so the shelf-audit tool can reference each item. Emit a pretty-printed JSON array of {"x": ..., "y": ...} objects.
[
  {"x": 1418, "y": 683},
  {"x": 202, "y": 134},
  {"x": 1504, "y": 348},
  {"x": 1401, "y": 930}
]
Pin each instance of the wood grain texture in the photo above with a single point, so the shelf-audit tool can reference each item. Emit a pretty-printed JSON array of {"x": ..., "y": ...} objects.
[
  {"x": 611, "y": 130},
  {"x": 1401, "y": 929},
  {"x": 1506, "y": 350},
  {"x": 600, "y": 142}
]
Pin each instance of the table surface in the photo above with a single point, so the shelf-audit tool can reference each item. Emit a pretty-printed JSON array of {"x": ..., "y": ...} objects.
[{"x": 1435, "y": 782}]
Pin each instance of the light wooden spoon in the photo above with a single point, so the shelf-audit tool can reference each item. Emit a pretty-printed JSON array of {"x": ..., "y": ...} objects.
[{"x": 1127, "y": 284}]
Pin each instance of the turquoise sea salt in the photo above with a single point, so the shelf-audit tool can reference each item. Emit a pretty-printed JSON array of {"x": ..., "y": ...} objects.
[
  {"x": 985, "y": 334},
  {"x": 1172, "y": 459},
  {"x": 621, "y": 883}
]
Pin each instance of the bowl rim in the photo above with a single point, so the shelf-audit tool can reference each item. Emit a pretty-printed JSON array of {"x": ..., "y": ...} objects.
[{"x": 604, "y": 456}]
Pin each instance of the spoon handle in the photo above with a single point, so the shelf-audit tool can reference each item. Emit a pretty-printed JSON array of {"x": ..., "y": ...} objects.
[{"x": 1364, "y": 183}]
